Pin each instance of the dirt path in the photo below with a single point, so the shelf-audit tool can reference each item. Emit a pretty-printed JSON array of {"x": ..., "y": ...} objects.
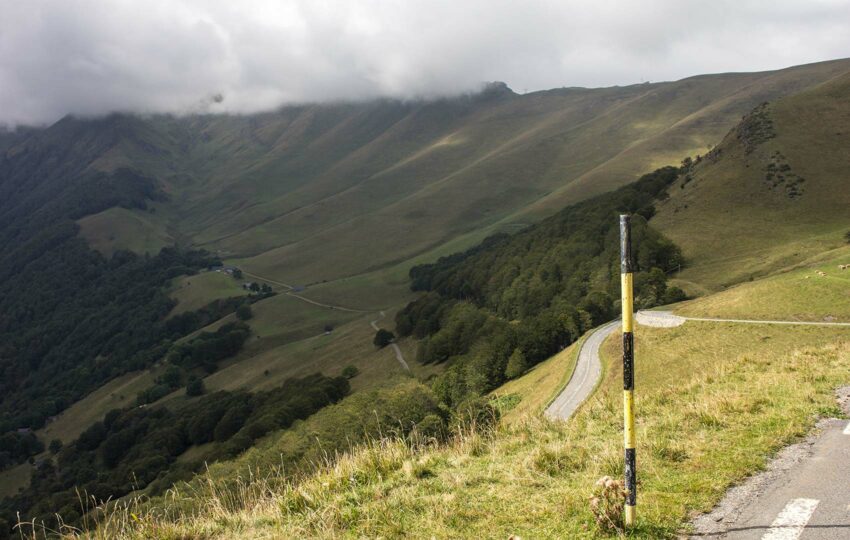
[
  {"x": 398, "y": 354},
  {"x": 261, "y": 278},
  {"x": 304, "y": 298},
  {"x": 668, "y": 319}
]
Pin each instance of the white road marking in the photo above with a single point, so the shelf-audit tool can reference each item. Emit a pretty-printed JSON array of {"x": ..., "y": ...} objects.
[
  {"x": 847, "y": 429},
  {"x": 791, "y": 521}
]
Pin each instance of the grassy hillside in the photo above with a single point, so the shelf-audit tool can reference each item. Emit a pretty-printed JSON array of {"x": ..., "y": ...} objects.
[
  {"x": 194, "y": 292},
  {"x": 345, "y": 198},
  {"x": 715, "y": 400},
  {"x": 773, "y": 193},
  {"x": 120, "y": 228},
  {"x": 815, "y": 290},
  {"x": 530, "y": 394},
  {"x": 309, "y": 193}
]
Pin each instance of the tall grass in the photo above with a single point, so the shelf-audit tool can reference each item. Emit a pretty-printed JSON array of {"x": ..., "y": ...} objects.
[{"x": 713, "y": 403}]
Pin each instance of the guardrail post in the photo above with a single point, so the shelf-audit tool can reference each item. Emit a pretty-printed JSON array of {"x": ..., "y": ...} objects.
[{"x": 627, "y": 302}]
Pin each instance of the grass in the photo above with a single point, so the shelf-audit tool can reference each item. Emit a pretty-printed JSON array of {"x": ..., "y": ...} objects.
[
  {"x": 348, "y": 344},
  {"x": 732, "y": 226},
  {"x": 536, "y": 389},
  {"x": 816, "y": 290},
  {"x": 14, "y": 478},
  {"x": 194, "y": 292},
  {"x": 313, "y": 193},
  {"x": 119, "y": 228},
  {"x": 713, "y": 402},
  {"x": 117, "y": 393}
]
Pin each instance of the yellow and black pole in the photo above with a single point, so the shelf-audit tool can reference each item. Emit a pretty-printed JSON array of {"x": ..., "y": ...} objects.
[{"x": 627, "y": 297}]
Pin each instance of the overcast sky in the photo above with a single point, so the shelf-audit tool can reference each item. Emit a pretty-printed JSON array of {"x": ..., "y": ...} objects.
[{"x": 95, "y": 56}]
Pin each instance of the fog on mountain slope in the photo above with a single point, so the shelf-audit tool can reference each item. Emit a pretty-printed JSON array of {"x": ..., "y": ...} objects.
[{"x": 304, "y": 193}]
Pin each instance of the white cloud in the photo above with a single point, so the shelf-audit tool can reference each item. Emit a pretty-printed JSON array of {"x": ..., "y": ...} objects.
[{"x": 96, "y": 56}]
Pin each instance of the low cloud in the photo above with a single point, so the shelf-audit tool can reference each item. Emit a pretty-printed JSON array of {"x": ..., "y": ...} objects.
[{"x": 91, "y": 57}]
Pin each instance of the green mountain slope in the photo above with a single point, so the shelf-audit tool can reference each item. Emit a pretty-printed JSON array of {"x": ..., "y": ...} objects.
[
  {"x": 774, "y": 192},
  {"x": 716, "y": 399},
  {"x": 346, "y": 198},
  {"x": 317, "y": 193}
]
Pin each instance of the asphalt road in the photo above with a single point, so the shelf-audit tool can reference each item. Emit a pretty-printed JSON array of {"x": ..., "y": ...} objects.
[
  {"x": 585, "y": 376},
  {"x": 809, "y": 501}
]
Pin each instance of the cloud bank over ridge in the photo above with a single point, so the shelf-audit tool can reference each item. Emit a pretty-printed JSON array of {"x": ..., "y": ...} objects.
[{"x": 92, "y": 57}]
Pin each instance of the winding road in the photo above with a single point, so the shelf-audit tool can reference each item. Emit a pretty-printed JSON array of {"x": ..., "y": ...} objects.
[
  {"x": 791, "y": 500},
  {"x": 588, "y": 367},
  {"x": 586, "y": 374}
]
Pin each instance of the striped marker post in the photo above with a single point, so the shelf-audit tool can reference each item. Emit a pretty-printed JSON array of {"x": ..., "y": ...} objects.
[{"x": 627, "y": 302}]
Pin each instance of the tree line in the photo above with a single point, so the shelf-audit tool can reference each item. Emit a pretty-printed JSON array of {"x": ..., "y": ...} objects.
[
  {"x": 136, "y": 447},
  {"x": 497, "y": 309}
]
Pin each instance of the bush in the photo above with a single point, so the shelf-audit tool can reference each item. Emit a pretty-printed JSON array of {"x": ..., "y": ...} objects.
[
  {"x": 431, "y": 426},
  {"x": 243, "y": 312},
  {"x": 195, "y": 387},
  {"x": 383, "y": 338},
  {"x": 55, "y": 446},
  {"x": 517, "y": 365},
  {"x": 675, "y": 294},
  {"x": 477, "y": 412},
  {"x": 349, "y": 372},
  {"x": 606, "y": 504},
  {"x": 847, "y": 237},
  {"x": 231, "y": 422}
]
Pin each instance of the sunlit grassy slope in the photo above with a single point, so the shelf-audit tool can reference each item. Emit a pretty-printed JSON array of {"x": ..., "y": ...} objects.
[
  {"x": 737, "y": 218},
  {"x": 313, "y": 193},
  {"x": 119, "y": 228},
  {"x": 815, "y": 290},
  {"x": 194, "y": 292},
  {"x": 714, "y": 401}
]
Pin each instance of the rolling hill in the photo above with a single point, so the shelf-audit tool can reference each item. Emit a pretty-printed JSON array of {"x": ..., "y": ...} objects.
[
  {"x": 773, "y": 193},
  {"x": 345, "y": 198},
  {"x": 761, "y": 221},
  {"x": 324, "y": 192}
]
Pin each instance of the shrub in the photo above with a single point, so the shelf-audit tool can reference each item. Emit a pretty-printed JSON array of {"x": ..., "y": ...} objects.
[
  {"x": 231, "y": 422},
  {"x": 431, "y": 426},
  {"x": 675, "y": 294},
  {"x": 243, "y": 312},
  {"x": 476, "y": 412},
  {"x": 606, "y": 504},
  {"x": 383, "y": 338},
  {"x": 349, "y": 372},
  {"x": 195, "y": 387},
  {"x": 517, "y": 365},
  {"x": 55, "y": 446}
]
